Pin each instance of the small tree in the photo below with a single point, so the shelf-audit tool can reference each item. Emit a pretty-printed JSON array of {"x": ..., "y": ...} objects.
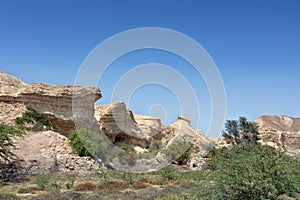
[
  {"x": 241, "y": 132},
  {"x": 7, "y": 132}
]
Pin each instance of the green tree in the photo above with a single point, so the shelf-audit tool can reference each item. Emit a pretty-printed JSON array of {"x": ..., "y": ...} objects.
[
  {"x": 7, "y": 132},
  {"x": 241, "y": 132}
]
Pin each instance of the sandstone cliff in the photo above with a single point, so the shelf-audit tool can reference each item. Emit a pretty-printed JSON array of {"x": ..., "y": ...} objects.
[
  {"x": 281, "y": 133},
  {"x": 53, "y": 101},
  {"x": 50, "y": 151}
]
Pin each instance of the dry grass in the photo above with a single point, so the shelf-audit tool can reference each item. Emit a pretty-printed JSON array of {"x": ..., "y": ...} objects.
[
  {"x": 113, "y": 185},
  {"x": 85, "y": 187}
]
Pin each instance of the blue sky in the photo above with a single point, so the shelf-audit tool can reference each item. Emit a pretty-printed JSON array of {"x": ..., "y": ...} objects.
[{"x": 254, "y": 43}]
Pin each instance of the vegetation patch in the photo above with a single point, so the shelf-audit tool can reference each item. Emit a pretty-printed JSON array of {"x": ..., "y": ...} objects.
[
  {"x": 85, "y": 187},
  {"x": 31, "y": 120},
  {"x": 114, "y": 185}
]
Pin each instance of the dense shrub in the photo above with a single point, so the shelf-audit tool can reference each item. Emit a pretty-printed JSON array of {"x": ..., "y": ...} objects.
[
  {"x": 87, "y": 143},
  {"x": 33, "y": 121},
  {"x": 253, "y": 173}
]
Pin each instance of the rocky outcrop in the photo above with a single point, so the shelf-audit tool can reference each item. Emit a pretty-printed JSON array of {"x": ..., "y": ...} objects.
[
  {"x": 54, "y": 101},
  {"x": 66, "y": 106},
  {"x": 121, "y": 126},
  {"x": 182, "y": 131},
  {"x": 281, "y": 133}
]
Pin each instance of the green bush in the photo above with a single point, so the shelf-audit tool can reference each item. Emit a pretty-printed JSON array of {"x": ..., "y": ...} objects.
[
  {"x": 77, "y": 145},
  {"x": 87, "y": 143},
  {"x": 55, "y": 186},
  {"x": 41, "y": 180},
  {"x": 253, "y": 173},
  {"x": 33, "y": 121},
  {"x": 71, "y": 180},
  {"x": 23, "y": 190},
  {"x": 168, "y": 173},
  {"x": 7, "y": 132}
]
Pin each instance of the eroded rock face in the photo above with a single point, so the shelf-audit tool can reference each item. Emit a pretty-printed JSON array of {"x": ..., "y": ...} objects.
[
  {"x": 51, "y": 150},
  {"x": 120, "y": 125},
  {"x": 281, "y": 133},
  {"x": 182, "y": 131},
  {"x": 55, "y": 101},
  {"x": 48, "y": 151}
]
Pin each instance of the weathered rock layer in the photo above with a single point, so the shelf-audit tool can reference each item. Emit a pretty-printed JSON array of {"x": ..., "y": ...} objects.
[
  {"x": 54, "y": 101},
  {"x": 281, "y": 133}
]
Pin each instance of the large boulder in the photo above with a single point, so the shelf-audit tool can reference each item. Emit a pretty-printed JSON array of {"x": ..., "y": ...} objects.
[
  {"x": 281, "y": 133},
  {"x": 53, "y": 101}
]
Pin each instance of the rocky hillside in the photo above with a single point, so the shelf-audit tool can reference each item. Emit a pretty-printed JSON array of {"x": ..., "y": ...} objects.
[
  {"x": 281, "y": 133},
  {"x": 49, "y": 150},
  {"x": 38, "y": 151}
]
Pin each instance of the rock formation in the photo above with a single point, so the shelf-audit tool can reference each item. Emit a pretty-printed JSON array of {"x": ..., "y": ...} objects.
[
  {"x": 120, "y": 125},
  {"x": 49, "y": 150},
  {"x": 53, "y": 101},
  {"x": 281, "y": 133}
]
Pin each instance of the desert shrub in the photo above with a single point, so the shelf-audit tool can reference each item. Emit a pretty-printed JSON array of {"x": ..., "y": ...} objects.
[
  {"x": 141, "y": 184},
  {"x": 55, "y": 186},
  {"x": 41, "y": 180},
  {"x": 7, "y": 132},
  {"x": 87, "y": 143},
  {"x": 168, "y": 173},
  {"x": 33, "y": 190},
  {"x": 85, "y": 187},
  {"x": 113, "y": 185},
  {"x": 32, "y": 120},
  {"x": 71, "y": 180},
  {"x": 253, "y": 173},
  {"x": 77, "y": 145},
  {"x": 128, "y": 178},
  {"x": 23, "y": 190}
]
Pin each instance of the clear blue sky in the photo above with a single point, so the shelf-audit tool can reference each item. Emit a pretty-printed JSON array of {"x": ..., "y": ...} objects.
[{"x": 254, "y": 43}]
